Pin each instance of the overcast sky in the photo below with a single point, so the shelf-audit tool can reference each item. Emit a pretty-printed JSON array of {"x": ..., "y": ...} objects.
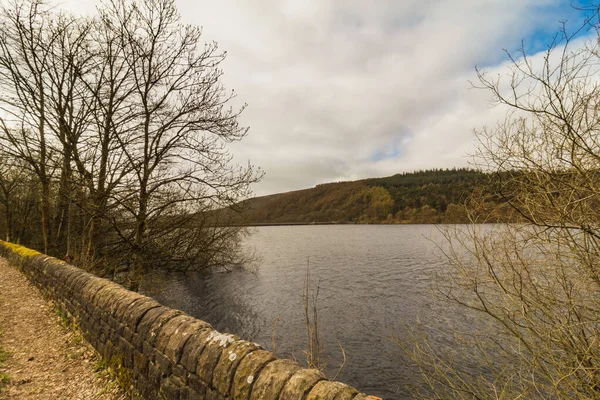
[{"x": 342, "y": 90}]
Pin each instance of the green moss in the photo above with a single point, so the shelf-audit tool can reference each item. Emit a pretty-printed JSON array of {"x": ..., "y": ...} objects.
[
  {"x": 65, "y": 320},
  {"x": 4, "y": 356},
  {"x": 4, "y": 380},
  {"x": 100, "y": 365},
  {"x": 20, "y": 250},
  {"x": 121, "y": 374}
]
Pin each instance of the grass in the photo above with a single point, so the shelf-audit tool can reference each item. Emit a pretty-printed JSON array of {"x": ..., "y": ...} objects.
[
  {"x": 112, "y": 372},
  {"x": 102, "y": 369},
  {"x": 63, "y": 317},
  {"x": 315, "y": 355},
  {"x": 4, "y": 356}
]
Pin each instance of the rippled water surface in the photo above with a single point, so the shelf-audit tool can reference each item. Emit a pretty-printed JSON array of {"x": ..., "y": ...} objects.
[{"x": 372, "y": 279}]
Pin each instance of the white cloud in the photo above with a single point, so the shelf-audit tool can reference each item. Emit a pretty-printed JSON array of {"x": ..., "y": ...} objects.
[{"x": 351, "y": 89}]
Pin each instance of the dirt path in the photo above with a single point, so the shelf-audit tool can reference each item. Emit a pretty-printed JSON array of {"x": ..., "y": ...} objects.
[{"x": 47, "y": 360}]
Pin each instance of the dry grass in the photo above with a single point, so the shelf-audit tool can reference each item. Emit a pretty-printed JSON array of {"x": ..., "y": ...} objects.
[{"x": 315, "y": 353}]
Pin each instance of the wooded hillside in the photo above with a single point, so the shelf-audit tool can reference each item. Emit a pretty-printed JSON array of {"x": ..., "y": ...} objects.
[{"x": 432, "y": 196}]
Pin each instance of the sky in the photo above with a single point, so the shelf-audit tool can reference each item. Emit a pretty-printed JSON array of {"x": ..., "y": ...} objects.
[{"x": 343, "y": 90}]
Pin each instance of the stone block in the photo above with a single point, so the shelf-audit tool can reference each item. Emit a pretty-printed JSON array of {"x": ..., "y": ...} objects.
[
  {"x": 140, "y": 363},
  {"x": 196, "y": 384},
  {"x": 169, "y": 389},
  {"x": 127, "y": 333},
  {"x": 110, "y": 300},
  {"x": 193, "y": 348},
  {"x": 225, "y": 370},
  {"x": 138, "y": 342},
  {"x": 151, "y": 323},
  {"x": 78, "y": 283},
  {"x": 216, "y": 344},
  {"x": 362, "y": 396},
  {"x": 155, "y": 375},
  {"x": 272, "y": 378},
  {"x": 247, "y": 371},
  {"x": 126, "y": 352},
  {"x": 188, "y": 393},
  {"x": 168, "y": 329},
  {"x": 135, "y": 311},
  {"x": 113, "y": 323},
  {"x": 123, "y": 303},
  {"x": 144, "y": 389},
  {"x": 213, "y": 395},
  {"x": 53, "y": 269},
  {"x": 118, "y": 306},
  {"x": 180, "y": 372},
  {"x": 69, "y": 275},
  {"x": 88, "y": 292},
  {"x": 149, "y": 351},
  {"x": 298, "y": 386},
  {"x": 325, "y": 390},
  {"x": 174, "y": 347},
  {"x": 163, "y": 363},
  {"x": 103, "y": 297}
]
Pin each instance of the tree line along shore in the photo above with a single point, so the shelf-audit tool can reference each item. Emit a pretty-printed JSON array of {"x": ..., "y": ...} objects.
[{"x": 421, "y": 197}]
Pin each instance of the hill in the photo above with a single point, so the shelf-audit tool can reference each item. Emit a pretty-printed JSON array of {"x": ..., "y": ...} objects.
[{"x": 432, "y": 196}]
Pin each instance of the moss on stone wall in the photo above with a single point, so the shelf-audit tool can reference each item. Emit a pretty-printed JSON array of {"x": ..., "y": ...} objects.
[{"x": 20, "y": 250}]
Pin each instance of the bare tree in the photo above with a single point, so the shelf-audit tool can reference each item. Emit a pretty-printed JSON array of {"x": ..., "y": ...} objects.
[
  {"x": 70, "y": 108},
  {"x": 537, "y": 284},
  {"x": 125, "y": 122},
  {"x": 97, "y": 151},
  {"x": 11, "y": 178},
  {"x": 25, "y": 46},
  {"x": 178, "y": 156}
]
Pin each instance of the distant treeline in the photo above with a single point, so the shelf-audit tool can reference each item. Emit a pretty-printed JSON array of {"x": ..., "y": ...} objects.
[{"x": 431, "y": 196}]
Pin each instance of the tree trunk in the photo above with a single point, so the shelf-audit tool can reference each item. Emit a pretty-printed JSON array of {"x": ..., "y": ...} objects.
[
  {"x": 45, "y": 208},
  {"x": 138, "y": 265},
  {"x": 62, "y": 216},
  {"x": 8, "y": 221}
]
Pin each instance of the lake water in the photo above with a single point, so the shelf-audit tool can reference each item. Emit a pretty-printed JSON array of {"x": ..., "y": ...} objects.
[{"x": 374, "y": 280}]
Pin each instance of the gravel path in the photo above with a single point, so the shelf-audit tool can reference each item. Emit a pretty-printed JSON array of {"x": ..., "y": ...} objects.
[{"x": 47, "y": 360}]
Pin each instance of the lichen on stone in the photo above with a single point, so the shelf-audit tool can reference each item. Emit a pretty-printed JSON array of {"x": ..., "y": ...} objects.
[{"x": 223, "y": 338}]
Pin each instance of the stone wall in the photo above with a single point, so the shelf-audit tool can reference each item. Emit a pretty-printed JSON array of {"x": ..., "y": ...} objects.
[{"x": 163, "y": 353}]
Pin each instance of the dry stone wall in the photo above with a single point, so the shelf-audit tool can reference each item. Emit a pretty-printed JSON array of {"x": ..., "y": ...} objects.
[{"x": 163, "y": 353}]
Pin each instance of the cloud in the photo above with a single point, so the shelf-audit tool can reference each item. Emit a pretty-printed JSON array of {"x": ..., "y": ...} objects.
[{"x": 341, "y": 90}]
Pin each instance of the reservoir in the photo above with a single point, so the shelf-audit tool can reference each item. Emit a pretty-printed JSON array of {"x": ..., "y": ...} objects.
[{"x": 373, "y": 281}]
